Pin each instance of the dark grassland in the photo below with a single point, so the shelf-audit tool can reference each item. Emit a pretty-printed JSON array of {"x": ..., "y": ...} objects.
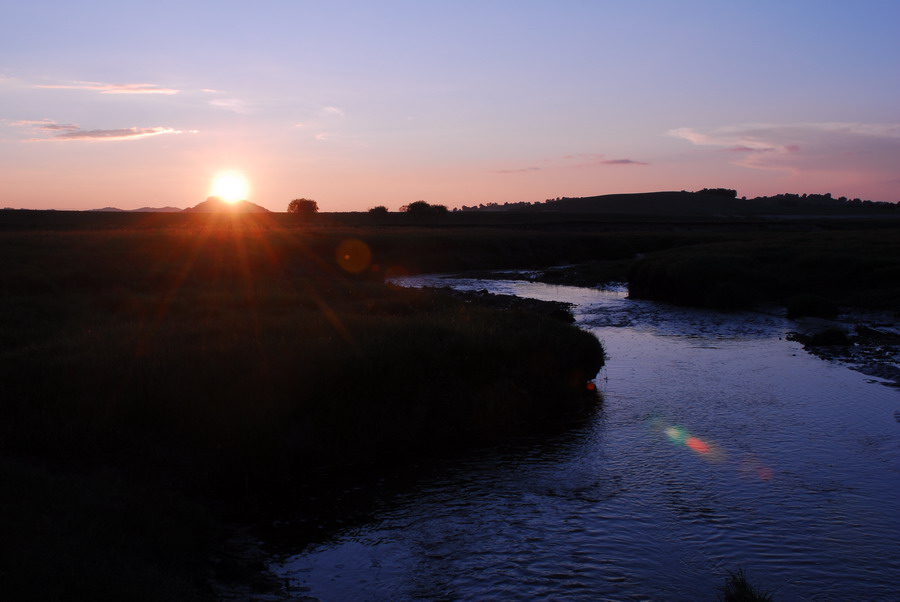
[
  {"x": 160, "y": 376},
  {"x": 164, "y": 375},
  {"x": 859, "y": 268}
]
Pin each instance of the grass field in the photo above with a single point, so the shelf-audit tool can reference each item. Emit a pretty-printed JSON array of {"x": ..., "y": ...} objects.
[
  {"x": 163, "y": 372},
  {"x": 159, "y": 376}
]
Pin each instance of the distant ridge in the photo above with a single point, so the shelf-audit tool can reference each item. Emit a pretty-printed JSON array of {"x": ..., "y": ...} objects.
[
  {"x": 210, "y": 205},
  {"x": 217, "y": 205},
  {"x": 141, "y": 210},
  {"x": 657, "y": 203},
  {"x": 715, "y": 202}
]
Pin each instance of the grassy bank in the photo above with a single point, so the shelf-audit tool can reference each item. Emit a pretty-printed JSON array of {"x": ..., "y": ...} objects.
[
  {"x": 159, "y": 377},
  {"x": 859, "y": 268}
]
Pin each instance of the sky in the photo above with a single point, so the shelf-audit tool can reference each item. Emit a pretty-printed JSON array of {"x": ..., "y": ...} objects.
[{"x": 356, "y": 103}]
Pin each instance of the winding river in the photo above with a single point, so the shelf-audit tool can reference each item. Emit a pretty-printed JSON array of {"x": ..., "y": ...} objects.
[{"x": 719, "y": 446}]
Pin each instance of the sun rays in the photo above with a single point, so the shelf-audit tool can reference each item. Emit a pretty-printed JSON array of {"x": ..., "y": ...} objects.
[{"x": 230, "y": 186}]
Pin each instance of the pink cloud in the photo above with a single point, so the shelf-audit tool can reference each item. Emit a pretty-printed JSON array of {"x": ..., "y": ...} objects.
[
  {"x": 120, "y": 134},
  {"x": 597, "y": 159},
  {"x": 584, "y": 160},
  {"x": 47, "y": 126},
  {"x": 70, "y": 131},
  {"x": 864, "y": 150},
  {"x": 745, "y": 149},
  {"x": 623, "y": 162},
  {"x": 236, "y": 105},
  {"x": 103, "y": 88}
]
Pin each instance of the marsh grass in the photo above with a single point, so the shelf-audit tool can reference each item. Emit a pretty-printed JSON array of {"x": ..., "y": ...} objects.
[
  {"x": 92, "y": 536},
  {"x": 162, "y": 371},
  {"x": 813, "y": 306},
  {"x": 156, "y": 378},
  {"x": 856, "y": 268},
  {"x": 738, "y": 589}
]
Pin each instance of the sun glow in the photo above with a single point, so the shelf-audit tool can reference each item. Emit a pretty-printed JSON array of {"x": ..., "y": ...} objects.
[{"x": 230, "y": 186}]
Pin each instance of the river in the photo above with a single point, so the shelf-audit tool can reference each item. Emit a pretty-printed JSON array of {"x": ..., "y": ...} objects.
[{"x": 720, "y": 445}]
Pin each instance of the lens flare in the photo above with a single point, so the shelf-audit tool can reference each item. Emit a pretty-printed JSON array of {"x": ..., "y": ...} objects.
[
  {"x": 698, "y": 445},
  {"x": 680, "y": 436},
  {"x": 748, "y": 466},
  {"x": 675, "y": 434},
  {"x": 354, "y": 256}
]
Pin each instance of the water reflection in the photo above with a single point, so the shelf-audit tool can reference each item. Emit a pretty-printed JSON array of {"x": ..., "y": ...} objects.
[{"x": 720, "y": 445}]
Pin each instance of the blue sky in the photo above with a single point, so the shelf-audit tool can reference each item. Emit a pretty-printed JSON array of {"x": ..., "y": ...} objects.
[{"x": 357, "y": 104}]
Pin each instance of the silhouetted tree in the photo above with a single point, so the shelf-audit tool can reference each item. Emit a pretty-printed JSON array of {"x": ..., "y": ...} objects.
[
  {"x": 379, "y": 210},
  {"x": 303, "y": 207},
  {"x": 423, "y": 208},
  {"x": 726, "y": 192}
]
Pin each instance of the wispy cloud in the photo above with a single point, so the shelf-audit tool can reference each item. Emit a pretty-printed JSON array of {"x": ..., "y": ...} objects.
[
  {"x": 623, "y": 162},
  {"x": 861, "y": 148},
  {"x": 46, "y": 125},
  {"x": 120, "y": 134},
  {"x": 325, "y": 124},
  {"x": 573, "y": 161},
  {"x": 595, "y": 159},
  {"x": 69, "y": 131},
  {"x": 331, "y": 112},
  {"x": 104, "y": 88},
  {"x": 235, "y": 105}
]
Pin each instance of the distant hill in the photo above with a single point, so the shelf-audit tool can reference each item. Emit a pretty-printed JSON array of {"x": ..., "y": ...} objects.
[
  {"x": 656, "y": 203},
  {"x": 158, "y": 210},
  {"x": 141, "y": 210},
  {"x": 717, "y": 202},
  {"x": 210, "y": 205},
  {"x": 217, "y": 205}
]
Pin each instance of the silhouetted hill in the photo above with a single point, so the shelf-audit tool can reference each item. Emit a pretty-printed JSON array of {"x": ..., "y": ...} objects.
[
  {"x": 217, "y": 205},
  {"x": 141, "y": 210},
  {"x": 717, "y": 202},
  {"x": 157, "y": 210},
  {"x": 655, "y": 203}
]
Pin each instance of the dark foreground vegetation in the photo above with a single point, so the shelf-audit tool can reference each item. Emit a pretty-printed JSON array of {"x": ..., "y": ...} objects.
[
  {"x": 165, "y": 375},
  {"x": 811, "y": 273},
  {"x": 161, "y": 378},
  {"x": 738, "y": 589}
]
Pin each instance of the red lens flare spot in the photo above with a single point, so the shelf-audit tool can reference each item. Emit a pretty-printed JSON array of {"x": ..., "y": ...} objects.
[
  {"x": 697, "y": 445},
  {"x": 753, "y": 468},
  {"x": 354, "y": 256},
  {"x": 591, "y": 387}
]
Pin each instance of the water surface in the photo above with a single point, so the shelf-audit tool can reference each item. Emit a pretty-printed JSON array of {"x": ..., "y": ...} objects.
[{"x": 720, "y": 445}]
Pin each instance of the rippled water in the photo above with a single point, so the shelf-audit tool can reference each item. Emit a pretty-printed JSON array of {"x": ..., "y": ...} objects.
[{"x": 720, "y": 445}]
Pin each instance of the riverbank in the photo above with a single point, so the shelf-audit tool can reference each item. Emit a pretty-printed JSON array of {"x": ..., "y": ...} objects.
[
  {"x": 720, "y": 445},
  {"x": 163, "y": 383}
]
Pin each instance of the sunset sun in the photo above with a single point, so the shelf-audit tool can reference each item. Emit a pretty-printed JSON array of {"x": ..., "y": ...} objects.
[{"x": 230, "y": 186}]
